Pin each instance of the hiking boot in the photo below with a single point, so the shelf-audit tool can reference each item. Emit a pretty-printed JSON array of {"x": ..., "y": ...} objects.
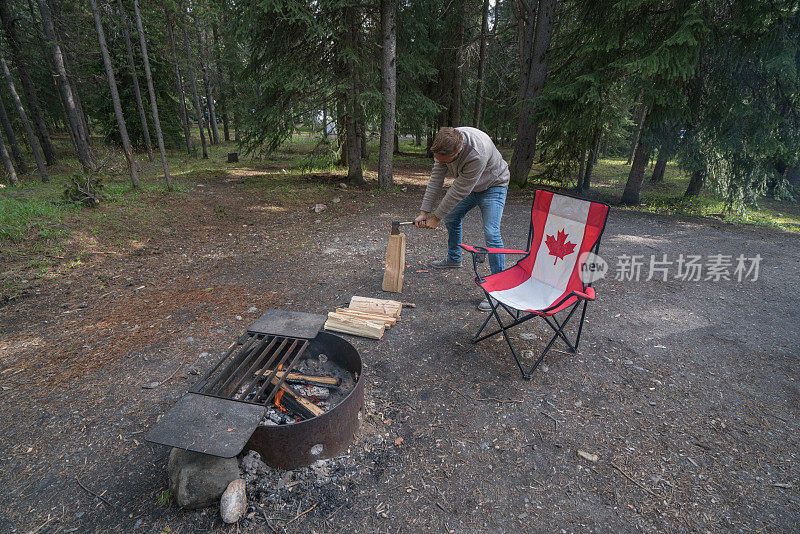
[
  {"x": 484, "y": 306},
  {"x": 446, "y": 263}
]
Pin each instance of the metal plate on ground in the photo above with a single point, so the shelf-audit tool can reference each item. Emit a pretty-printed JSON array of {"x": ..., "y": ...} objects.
[
  {"x": 289, "y": 324},
  {"x": 209, "y": 425}
]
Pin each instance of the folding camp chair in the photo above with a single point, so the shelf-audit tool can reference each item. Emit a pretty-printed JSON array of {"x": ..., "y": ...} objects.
[{"x": 548, "y": 279}]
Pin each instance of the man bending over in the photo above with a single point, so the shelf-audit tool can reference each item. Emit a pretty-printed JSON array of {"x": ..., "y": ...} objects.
[{"x": 481, "y": 179}]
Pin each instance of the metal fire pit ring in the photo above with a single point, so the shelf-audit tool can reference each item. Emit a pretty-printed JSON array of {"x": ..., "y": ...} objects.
[{"x": 298, "y": 444}]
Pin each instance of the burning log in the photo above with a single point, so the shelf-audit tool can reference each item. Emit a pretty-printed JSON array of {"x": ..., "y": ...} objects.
[
  {"x": 295, "y": 402},
  {"x": 309, "y": 380}
]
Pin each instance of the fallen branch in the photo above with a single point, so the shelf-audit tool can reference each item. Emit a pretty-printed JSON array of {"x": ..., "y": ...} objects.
[
  {"x": 626, "y": 475},
  {"x": 301, "y": 514},
  {"x": 78, "y": 480},
  {"x": 496, "y": 399}
]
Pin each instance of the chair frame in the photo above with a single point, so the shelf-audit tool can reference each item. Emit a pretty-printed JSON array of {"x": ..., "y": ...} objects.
[{"x": 479, "y": 256}]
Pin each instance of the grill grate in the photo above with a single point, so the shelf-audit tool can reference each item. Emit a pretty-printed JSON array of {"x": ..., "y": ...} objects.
[{"x": 234, "y": 376}]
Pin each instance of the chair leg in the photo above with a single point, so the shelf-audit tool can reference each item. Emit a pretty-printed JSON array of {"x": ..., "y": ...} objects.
[
  {"x": 559, "y": 332},
  {"x": 558, "y": 329},
  {"x": 503, "y": 329},
  {"x": 580, "y": 325}
]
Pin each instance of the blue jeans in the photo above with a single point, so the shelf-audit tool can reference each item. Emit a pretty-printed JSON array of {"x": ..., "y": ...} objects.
[{"x": 491, "y": 203}]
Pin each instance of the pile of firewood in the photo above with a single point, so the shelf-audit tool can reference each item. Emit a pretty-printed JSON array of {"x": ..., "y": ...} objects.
[{"x": 365, "y": 317}]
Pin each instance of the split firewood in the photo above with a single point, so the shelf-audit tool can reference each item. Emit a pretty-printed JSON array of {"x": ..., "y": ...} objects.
[
  {"x": 311, "y": 380},
  {"x": 352, "y": 325},
  {"x": 370, "y": 305},
  {"x": 388, "y": 320}
]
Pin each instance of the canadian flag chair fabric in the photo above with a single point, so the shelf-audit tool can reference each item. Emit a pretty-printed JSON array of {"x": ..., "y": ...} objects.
[{"x": 564, "y": 230}]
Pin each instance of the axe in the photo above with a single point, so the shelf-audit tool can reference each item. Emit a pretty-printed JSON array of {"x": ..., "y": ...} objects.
[
  {"x": 394, "y": 274},
  {"x": 396, "y": 226}
]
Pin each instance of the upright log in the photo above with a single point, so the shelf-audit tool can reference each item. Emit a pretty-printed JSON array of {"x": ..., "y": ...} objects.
[{"x": 394, "y": 273}]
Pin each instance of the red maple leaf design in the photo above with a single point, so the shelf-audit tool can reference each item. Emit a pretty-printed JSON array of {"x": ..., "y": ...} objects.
[{"x": 559, "y": 246}]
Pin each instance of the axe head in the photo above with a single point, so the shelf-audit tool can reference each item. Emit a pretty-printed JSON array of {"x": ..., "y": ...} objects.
[{"x": 396, "y": 226}]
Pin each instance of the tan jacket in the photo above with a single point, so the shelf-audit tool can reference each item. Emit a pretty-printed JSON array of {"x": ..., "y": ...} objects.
[{"x": 478, "y": 167}]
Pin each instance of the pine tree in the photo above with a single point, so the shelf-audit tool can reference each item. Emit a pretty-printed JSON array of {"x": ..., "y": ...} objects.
[
  {"x": 136, "y": 90},
  {"x": 37, "y": 155},
  {"x": 389, "y": 83},
  {"x": 112, "y": 84},
  {"x": 150, "y": 89}
]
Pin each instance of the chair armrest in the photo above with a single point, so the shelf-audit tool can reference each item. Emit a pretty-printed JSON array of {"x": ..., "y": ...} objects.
[
  {"x": 476, "y": 250},
  {"x": 588, "y": 295}
]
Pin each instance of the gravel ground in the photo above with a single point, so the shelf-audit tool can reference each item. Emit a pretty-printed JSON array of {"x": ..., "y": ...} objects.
[{"x": 686, "y": 391}]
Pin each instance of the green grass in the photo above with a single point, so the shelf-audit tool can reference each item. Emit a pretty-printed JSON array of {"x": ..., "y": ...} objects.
[{"x": 610, "y": 175}]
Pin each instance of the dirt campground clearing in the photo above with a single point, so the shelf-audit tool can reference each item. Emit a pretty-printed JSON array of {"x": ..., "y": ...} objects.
[{"x": 686, "y": 391}]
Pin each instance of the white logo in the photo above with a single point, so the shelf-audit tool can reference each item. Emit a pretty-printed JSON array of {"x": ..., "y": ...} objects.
[{"x": 593, "y": 267}]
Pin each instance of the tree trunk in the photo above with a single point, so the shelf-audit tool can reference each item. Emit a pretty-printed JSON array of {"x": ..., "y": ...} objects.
[
  {"x": 590, "y": 161},
  {"x": 325, "y": 118},
  {"x": 223, "y": 89},
  {"x": 636, "y": 176},
  {"x": 202, "y": 42},
  {"x": 354, "y": 171},
  {"x": 341, "y": 129},
  {"x": 234, "y": 112},
  {"x": 476, "y": 118},
  {"x": 79, "y": 128},
  {"x": 12, "y": 175},
  {"x": 137, "y": 93},
  {"x": 196, "y": 97},
  {"x": 695, "y": 184},
  {"x": 581, "y": 170},
  {"x": 150, "y": 89},
  {"x": 396, "y": 148},
  {"x": 458, "y": 68},
  {"x": 490, "y": 55},
  {"x": 81, "y": 147},
  {"x": 181, "y": 93},
  {"x": 8, "y": 130},
  {"x": 535, "y": 70},
  {"x": 78, "y": 104},
  {"x": 637, "y": 133},
  {"x": 604, "y": 149},
  {"x": 661, "y": 166},
  {"x": 389, "y": 86},
  {"x": 27, "y": 84},
  {"x": 597, "y": 147},
  {"x": 37, "y": 155},
  {"x": 112, "y": 83}
]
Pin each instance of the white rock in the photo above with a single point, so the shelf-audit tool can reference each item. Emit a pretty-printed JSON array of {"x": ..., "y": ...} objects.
[
  {"x": 233, "y": 503},
  {"x": 588, "y": 456},
  {"x": 319, "y": 208}
]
